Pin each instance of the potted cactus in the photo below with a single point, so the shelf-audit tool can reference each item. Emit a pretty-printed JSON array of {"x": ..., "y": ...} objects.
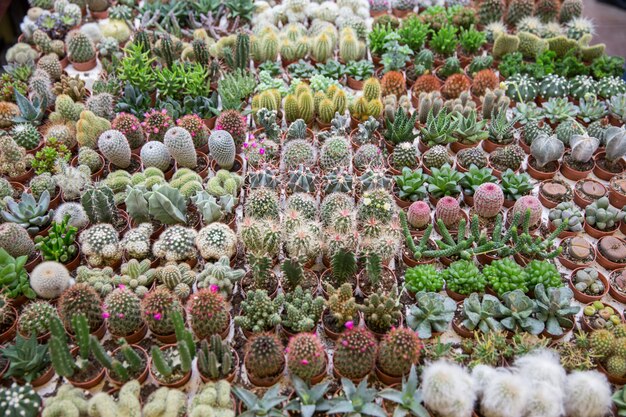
[
  {"x": 610, "y": 162},
  {"x": 170, "y": 365},
  {"x": 125, "y": 363},
  {"x": 611, "y": 252},
  {"x": 545, "y": 152},
  {"x": 617, "y": 190},
  {"x": 122, "y": 310},
  {"x": 306, "y": 358},
  {"x": 397, "y": 353},
  {"x": 576, "y": 252},
  {"x": 217, "y": 360},
  {"x": 81, "y": 51},
  {"x": 355, "y": 354},
  {"x": 264, "y": 359},
  {"x": 208, "y": 314},
  {"x": 578, "y": 162}
]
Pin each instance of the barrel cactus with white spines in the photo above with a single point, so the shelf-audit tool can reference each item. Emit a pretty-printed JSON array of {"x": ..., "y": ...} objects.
[
  {"x": 156, "y": 154},
  {"x": 222, "y": 148},
  {"x": 180, "y": 145},
  {"x": 176, "y": 243},
  {"x": 101, "y": 245},
  {"x": 216, "y": 240},
  {"x": 49, "y": 279},
  {"x": 115, "y": 148}
]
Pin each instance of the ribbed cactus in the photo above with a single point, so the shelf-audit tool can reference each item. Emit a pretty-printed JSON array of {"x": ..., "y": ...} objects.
[
  {"x": 305, "y": 356},
  {"x": 99, "y": 203},
  {"x": 176, "y": 243},
  {"x": 529, "y": 203},
  {"x": 335, "y": 153},
  {"x": 222, "y": 148},
  {"x": 180, "y": 145},
  {"x": 418, "y": 214},
  {"x": 355, "y": 353},
  {"x": 216, "y": 240},
  {"x": 322, "y": 48},
  {"x": 215, "y": 358},
  {"x": 49, "y": 279},
  {"x": 208, "y": 313},
  {"x": 81, "y": 299},
  {"x": 122, "y": 310},
  {"x": 158, "y": 306},
  {"x": 262, "y": 203},
  {"x": 488, "y": 200},
  {"x": 398, "y": 351},
  {"x": 264, "y": 356},
  {"x": 115, "y": 148},
  {"x": 20, "y": 400},
  {"x": 35, "y": 318},
  {"x": 79, "y": 47},
  {"x": 350, "y": 47}
]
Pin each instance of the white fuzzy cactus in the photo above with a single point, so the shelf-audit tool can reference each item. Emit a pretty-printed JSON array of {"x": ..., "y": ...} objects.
[
  {"x": 448, "y": 390},
  {"x": 222, "y": 148},
  {"x": 115, "y": 148},
  {"x": 180, "y": 145},
  {"x": 504, "y": 394},
  {"x": 216, "y": 240},
  {"x": 101, "y": 245},
  {"x": 49, "y": 279},
  {"x": 155, "y": 154},
  {"x": 587, "y": 394}
]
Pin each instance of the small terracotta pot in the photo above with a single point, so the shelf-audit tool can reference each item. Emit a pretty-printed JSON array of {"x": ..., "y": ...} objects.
[
  {"x": 585, "y": 298},
  {"x": 135, "y": 337},
  {"x": 566, "y": 332},
  {"x": 44, "y": 378},
  {"x": 540, "y": 175},
  {"x": 580, "y": 199},
  {"x": 10, "y": 333},
  {"x": 210, "y": 123},
  {"x": 32, "y": 264},
  {"x": 265, "y": 382},
  {"x": 598, "y": 234},
  {"x": 331, "y": 334},
  {"x": 238, "y": 162},
  {"x": 604, "y": 261},
  {"x": 455, "y": 295},
  {"x": 460, "y": 330},
  {"x": 354, "y": 83},
  {"x": 565, "y": 233},
  {"x": 167, "y": 338},
  {"x": 615, "y": 293},
  {"x": 410, "y": 262},
  {"x": 571, "y": 174},
  {"x": 386, "y": 379},
  {"x": 176, "y": 384},
  {"x": 458, "y": 146},
  {"x": 602, "y": 173},
  {"x": 489, "y": 146},
  {"x": 100, "y": 15},
  {"x": 584, "y": 323},
  {"x": 230, "y": 377},
  {"x": 142, "y": 376},
  {"x": 612, "y": 378},
  {"x": 616, "y": 198},
  {"x": 90, "y": 383},
  {"x": 85, "y": 66}
]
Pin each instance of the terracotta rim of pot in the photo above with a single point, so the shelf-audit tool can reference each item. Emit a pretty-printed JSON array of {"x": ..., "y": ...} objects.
[
  {"x": 176, "y": 384},
  {"x": 604, "y": 261},
  {"x": 142, "y": 376},
  {"x": 230, "y": 377},
  {"x": 89, "y": 383},
  {"x": 585, "y": 298}
]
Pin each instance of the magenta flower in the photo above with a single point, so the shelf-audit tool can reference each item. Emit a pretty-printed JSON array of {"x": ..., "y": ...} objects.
[
  {"x": 157, "y": 316},
  {"x": 120, "y": 315},
  {"x": 122, "y": 287},
  {"x": 105, "y": 315},
  {"x": 349, "y": 325},
  {"x": 245, "y": 145},
  {"x": 261, "y": 151},
  {"x": 214, "y": 288},
  {"x": 304, "y": 362}
]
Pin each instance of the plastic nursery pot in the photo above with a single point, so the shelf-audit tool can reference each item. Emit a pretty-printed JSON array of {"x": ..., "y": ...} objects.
[
  {"x": 614, "y": 244},
  {"x": 541, "y": 175},
  {"x": 597, "y": 233},
  {"x": 581, "y": 296},
  {"x": 409, "y": 261},
  {"x": 584, "y": 322},
  {"x": 96, "y": 175},
  {"x": 210, "y": 123},
  {"x": 267, "y": 381},
  {"x": 168, "y": 339},
  {"x": 576, "y": 241},
  {"x": 89, "y": 383},
  {"x": 600, "y": 170},
  {"x": 23, "y": 179},
  {"x": 617, "y": 380},
  {"x": 330, "y": 333},
  {"x": 554, "y": 187},
  {"x": 142, "y": 376},
  {"x": 586, "y": 191},
  {"x": 10, "y": 333},
  {"x": 30, "y": 265},
  {"x": 572, "y": 174},
  {"x": 459, "y": 329},
  {"x": 230, "y": 377},
  {"x": 85, "y": 66},
  {"x": 354, "y": 84},
  {"x": 614, "y": 290},
  {"x": 175, "y": 384},
  {"x": 135, "y": 337},
  {"x": 617, "y": 190},
  {"x": 458, "y": 297},
  {"x": 565, "y": 233}
]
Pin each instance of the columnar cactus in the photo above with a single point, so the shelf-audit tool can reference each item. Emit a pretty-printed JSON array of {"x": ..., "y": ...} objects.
[
  {"x": 101, "y": 245},
  {"x": 176, "y": 243},
  {"x": 81, "y": 299},
  {"x": 122, "y": 310},
  {"x": 208, "y": 313},
  {"x": 355, "y": 353},
  {"x": 130, "y": 126},
  {"x": 15, "y": 240},
  {"x": 180, "y": 145},
  {"x": 264, "y": 356},
  {"x": 176, "y": 277},
  {"x": 448, "y": 211},
  {"x": 157, "y": 309},
  {"x": 488, "y": 200},
  {"x": 305, "y": 356},
  {"x": 115, "y": 148},
  {"x": 222, "y": 148},
  {"x": 398, "y": 351},
  {"x": 49, "y": 279}
]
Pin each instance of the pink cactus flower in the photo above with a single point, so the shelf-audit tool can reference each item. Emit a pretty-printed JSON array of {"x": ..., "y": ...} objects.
[
  {"x": 157, "y": 316},
  {"x": 105, "y": 315},
  {"x": 214, "y": 288},
  {"x": 304, "y": 362},
  {"x": 349, "y": 325}
]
